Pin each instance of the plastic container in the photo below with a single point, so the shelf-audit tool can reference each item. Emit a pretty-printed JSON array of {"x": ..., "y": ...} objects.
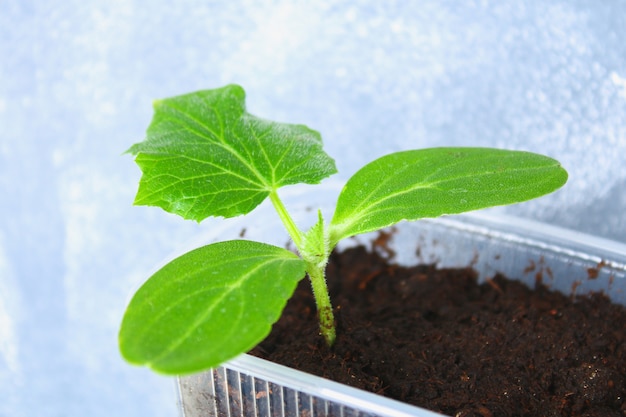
[{"x": 568, "y": 261}]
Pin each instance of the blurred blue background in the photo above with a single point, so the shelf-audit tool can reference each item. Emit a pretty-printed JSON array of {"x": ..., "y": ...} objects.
[{"x": 76, "y": 83}]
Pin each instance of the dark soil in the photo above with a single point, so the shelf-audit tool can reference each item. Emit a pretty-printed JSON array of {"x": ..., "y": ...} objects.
[{"x": 435, "y": 338}]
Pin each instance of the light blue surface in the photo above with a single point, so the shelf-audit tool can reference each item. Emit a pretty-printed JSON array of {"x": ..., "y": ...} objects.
[{"x": 76, "y": 84}]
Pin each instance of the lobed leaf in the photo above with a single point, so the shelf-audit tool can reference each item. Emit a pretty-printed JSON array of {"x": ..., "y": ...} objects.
[
  {"x": 208, "y": 306},
  {"x": 432, "y": 182},
  {"x": 204, "y": 155}
]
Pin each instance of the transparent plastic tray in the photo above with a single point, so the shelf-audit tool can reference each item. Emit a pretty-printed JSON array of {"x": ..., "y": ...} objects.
[{"x": 570, "y": 262}]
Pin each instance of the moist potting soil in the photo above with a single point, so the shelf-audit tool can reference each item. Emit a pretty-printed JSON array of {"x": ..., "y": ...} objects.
[{"x": 436, "y": 338}]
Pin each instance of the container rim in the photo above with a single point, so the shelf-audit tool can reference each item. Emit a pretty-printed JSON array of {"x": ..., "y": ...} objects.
[
  {"x": 325, "y": 388},
  {"x": 536, "y": 233}
]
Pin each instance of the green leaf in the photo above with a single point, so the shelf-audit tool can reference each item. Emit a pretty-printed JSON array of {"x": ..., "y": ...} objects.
[
  {"x": 208, "y": 306},
  {"x": 204, "y": 155},
  {"x": 433, "y": 182}
]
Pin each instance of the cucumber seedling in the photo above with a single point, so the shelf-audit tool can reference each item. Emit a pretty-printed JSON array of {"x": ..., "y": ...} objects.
[{"x": 204, "y": 155}]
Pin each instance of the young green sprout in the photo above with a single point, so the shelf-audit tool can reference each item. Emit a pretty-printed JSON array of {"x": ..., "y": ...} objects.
[{"x": 204, "y": 155}]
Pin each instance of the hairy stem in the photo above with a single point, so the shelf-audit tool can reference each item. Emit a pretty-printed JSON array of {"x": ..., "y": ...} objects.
[
  {"x": 316, "y": 257},
  {"x": 322, "y": 299}
]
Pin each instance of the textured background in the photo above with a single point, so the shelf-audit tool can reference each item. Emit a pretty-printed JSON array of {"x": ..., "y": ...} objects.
[{"x": 76, "y": 83}]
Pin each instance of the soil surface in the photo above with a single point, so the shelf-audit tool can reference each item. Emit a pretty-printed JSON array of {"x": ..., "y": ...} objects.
[{"x": 435, "y": 338}]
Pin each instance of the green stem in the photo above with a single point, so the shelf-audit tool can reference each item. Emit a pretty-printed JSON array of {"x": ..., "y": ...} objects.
[
  {"x": 294, "y": 232},
  {"x": 322, "y": 299},
  {"x": 316, "y": 260}
]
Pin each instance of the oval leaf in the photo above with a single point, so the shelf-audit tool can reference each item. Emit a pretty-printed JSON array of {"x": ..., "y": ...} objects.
[
  {"x": 208, "y": 306},
  {"x": 432, "y": 182},
  {"x": 204, "y": 155}
]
